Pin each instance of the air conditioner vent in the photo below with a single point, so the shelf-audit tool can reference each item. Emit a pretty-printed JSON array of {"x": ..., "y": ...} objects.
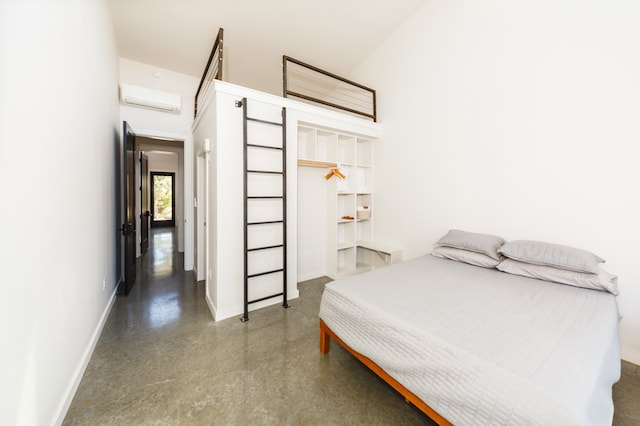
[{"x": 150, "y": 98}]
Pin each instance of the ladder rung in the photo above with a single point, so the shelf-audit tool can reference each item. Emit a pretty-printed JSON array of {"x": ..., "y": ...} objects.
[
  {"x": 274, "y": 123},
  {"x": 264, "y": 197},
  {"x": 265, "y": 298},
  {"x": 269, "y": 172},
  {"x": 265, "y": 273},
  {"x": 265, "y": 247},
  {"x": 266, "y": 222},
  {"x": 253, "y": 145}
]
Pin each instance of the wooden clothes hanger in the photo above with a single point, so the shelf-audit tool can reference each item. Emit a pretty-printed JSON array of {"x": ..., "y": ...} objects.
[{"x": 335, "y": 172}]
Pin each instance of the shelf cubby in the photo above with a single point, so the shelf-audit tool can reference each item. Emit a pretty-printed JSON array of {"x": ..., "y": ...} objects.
[
  {"x": 364, "y": 152},
  {"x": 364, "y": 180},
  {"x": 346, "y": 149},
  {"x": 346, "y": 260},
  {"x": 346, "y": 234},
  {"x": 346, "y": 206},
  {"x": 326, "y": 146},
  {"x": 306, "y": 143},
  {"x": 345, "y": 186},
  {"x": 364, "y": 230}
]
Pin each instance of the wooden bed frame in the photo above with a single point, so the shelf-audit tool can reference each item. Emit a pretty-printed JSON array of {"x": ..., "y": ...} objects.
[{"x": 326, "y": 334}]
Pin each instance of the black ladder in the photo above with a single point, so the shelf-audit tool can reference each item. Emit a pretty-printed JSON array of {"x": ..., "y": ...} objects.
[{"x": 252, "y": 149}]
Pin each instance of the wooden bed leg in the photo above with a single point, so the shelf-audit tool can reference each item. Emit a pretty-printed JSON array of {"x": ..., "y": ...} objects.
[
  {"x": 410, "y": 398},
  {"x": 325, "y": 339}
]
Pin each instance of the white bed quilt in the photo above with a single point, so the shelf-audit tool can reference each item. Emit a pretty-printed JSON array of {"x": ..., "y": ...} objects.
[{"x": 481, "y": 346}]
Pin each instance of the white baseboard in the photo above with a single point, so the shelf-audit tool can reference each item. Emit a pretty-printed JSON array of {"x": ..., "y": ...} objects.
[
  {"x": 311, "y": 276},
  {"x": 86, "y": 357},
  {"x": 212, "y": 308},
  {"x": 238, "y": 310}
]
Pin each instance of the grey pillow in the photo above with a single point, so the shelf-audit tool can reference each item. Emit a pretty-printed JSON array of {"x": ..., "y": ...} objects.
[
  {"x": 479, "y": 243},
  {"x": 466, "y": 256},
  {"x": 555, "y": 255},
  {"x": 603, "y": 280}
]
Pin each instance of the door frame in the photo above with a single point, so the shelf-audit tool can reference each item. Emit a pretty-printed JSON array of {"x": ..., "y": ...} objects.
[
  {"x": 172, "y": 221},
  {"x": 185, "y": 245},
  {"x": 144, "y": 203}
]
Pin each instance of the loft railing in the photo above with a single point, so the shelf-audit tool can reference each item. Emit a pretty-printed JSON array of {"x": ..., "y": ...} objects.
[
  {"x": 213, "y": 71},
  {"x": 313, "y": 84}
]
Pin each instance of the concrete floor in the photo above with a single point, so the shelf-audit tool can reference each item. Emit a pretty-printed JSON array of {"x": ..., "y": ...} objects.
[{"x": 161, "y": 359}]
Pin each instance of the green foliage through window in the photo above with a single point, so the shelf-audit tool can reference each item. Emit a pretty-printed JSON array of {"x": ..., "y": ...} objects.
[{"x": 162, "y": 208}]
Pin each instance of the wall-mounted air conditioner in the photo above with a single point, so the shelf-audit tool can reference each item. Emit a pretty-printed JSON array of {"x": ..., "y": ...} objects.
[{"x": 150, "y": 98}]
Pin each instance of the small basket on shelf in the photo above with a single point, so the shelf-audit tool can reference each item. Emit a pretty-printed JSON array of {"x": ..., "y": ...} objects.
[{"x": 363, "y": 212}]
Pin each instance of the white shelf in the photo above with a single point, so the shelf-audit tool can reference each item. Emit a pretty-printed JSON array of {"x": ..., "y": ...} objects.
[
  {"x": 353, "y": 155},
  {"x": 377, "y": 254},
  {"x": 379, "y": 246},
  {"x": 355, "y": 159}
]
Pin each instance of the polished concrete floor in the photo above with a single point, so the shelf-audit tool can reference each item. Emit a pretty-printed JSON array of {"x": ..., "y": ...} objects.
[{"x": 161, "y": 360}]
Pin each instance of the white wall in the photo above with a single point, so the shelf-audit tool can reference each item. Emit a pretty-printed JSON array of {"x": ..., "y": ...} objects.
[
  {"x": 59, "y": 158},
  {"x": 312, "y": 223},
  {"x": 163, "y": 162},
  {"x": 519, "y": 119},
  {"x": 200, "y": 164},
  {"x": 147, "y": 122},
  {"x": 205, "y": 128}
]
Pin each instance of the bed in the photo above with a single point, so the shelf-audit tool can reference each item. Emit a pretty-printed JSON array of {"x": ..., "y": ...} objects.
[{"x": 472, "y": 345}]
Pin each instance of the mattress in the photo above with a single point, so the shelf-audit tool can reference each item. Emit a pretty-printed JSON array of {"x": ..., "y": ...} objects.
[{"x": 481, "y": 346}]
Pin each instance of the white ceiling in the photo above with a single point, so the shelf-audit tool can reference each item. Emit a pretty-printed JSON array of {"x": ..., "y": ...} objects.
[{"x": 335, "y": 35}]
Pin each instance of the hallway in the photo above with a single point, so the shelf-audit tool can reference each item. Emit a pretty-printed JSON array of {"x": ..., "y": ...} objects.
[
  {"x": 141, "y": 349},
  {"x": 162, "y": 290}
]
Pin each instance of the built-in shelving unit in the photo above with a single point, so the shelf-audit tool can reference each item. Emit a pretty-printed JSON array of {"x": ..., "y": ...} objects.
[{"x": 349, "y": 201}]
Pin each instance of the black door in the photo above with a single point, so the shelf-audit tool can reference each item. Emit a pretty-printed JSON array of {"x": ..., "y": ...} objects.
[
  {"x": 144, "y": 202},
  {"x": 129, "y": 208},
  {"x": 163, "y": 200}
]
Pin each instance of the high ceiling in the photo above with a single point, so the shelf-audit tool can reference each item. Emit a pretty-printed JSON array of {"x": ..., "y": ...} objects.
[{"x": 335, "y": 35}]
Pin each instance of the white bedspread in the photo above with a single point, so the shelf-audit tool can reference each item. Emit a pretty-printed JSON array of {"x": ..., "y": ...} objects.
[{"x": 481, "y": 346}]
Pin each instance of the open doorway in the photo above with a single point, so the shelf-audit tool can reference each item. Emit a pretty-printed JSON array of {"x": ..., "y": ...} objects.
[
  {"x": 164, "y": 158},
  {"x": 163, "y": 199},
  {"x": 181, "y": 145}
]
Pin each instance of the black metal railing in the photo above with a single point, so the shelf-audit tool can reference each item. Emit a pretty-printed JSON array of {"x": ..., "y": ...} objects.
[
  {"x": 316, "y": 85},
  {"x": 213, "y": 71}
]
